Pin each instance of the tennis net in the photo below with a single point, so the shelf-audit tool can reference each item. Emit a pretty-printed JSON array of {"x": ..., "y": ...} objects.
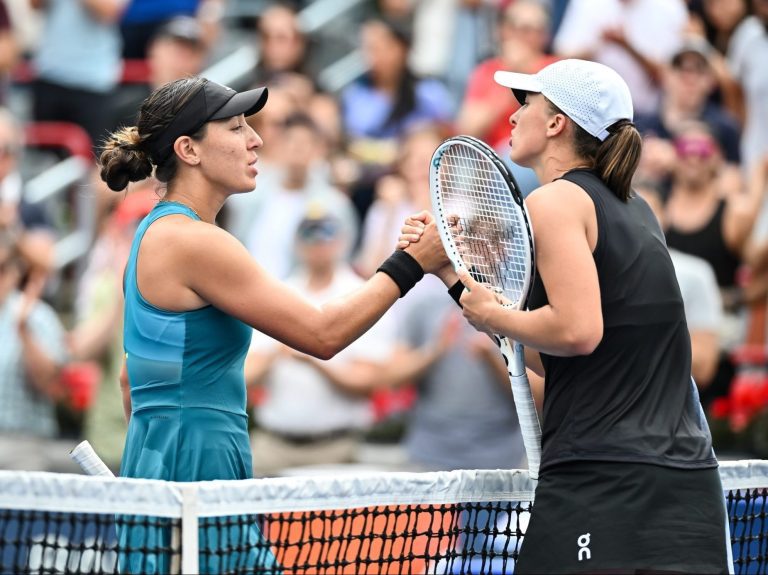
[{"x": 448, "y": 522}]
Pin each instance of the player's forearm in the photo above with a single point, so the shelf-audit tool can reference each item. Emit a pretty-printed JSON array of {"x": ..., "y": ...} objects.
[
  {"x": 548, "y": 331},
  {"x": 345, "y": 319}
]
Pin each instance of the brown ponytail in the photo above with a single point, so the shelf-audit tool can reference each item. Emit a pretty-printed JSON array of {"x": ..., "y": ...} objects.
[
  {"x": 614, "y": 159},
  {"x": 618, "y": 156}
]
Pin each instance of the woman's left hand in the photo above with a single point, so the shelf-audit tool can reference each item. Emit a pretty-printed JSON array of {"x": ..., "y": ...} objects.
[{"x": 412, "y": 229}]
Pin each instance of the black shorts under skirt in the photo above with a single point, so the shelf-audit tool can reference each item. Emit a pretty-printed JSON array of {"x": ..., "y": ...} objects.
[{"x": 592, "y": 517}]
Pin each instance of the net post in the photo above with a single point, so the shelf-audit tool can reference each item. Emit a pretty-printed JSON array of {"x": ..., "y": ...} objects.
[{"x": 190, "y": 557}]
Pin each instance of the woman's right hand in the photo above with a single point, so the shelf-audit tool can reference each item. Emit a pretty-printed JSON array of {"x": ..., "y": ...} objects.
[
  {"x": 421, "y": 239},
  {"x": 411, "y": 233}
]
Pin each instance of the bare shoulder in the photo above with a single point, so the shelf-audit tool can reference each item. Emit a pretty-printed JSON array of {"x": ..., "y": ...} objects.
[
  {"x": 179, "y": 232},
  {"x": 559, "y": 199},
  {"x": 177, "y": 239}
]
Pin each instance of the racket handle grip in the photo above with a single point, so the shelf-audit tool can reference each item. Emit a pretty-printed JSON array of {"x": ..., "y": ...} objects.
[{"x": 84, "y": 455}]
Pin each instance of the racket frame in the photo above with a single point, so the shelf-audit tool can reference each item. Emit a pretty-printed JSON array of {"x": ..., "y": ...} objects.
[{"x": 512, "y": 351}]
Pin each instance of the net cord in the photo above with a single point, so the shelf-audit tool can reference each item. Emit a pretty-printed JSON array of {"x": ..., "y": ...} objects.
[{"x": 82, "y": 494}]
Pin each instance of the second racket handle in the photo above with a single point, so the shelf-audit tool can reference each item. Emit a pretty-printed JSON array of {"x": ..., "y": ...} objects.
[{"x": 89, "y": 461}]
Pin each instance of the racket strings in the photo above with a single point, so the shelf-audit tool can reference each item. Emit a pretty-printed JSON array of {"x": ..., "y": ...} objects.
[{"x": 491, "y": 235}]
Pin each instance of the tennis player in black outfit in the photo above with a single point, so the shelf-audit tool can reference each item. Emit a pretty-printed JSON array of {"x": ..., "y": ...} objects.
[{"x": 628, "y": 480}]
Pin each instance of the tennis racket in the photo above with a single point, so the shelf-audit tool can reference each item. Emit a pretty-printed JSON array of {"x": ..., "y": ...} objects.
[
  {"x": 85, "y": 456},
  {"x": 485, "y": 229}
]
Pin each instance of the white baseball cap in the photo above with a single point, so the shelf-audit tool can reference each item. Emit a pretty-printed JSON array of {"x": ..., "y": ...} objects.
[{"x": 591, "y": 94}]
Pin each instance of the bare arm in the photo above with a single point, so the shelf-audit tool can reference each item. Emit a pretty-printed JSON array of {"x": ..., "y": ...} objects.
[
  {"x": 705, "y": 354},
  {"x": 9, "y": 51},
  {"x": 409, "y": 363},
  {"x": 91, "y": 338},
  {"x": 533, "y": 361},
  {"x": 125, "y": 389},
  {"x": 105, "y": 11},
  {"x": 206, "y": 262},
  {"x": 651, "y": 67},
  {"x": 41, "y": 369},
  {"x": 743, "y": 206},
  {"x": 258, "y": 364},
  {"x": 571, "y": 323},
  {"x": 356, "y": 378},
  {"x": 537, "y": 390}
]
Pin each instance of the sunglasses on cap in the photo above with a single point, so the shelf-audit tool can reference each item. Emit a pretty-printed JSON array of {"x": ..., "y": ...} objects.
[
  {"x": 316, "y": 231},
  {"x": 703, "y": 148}
]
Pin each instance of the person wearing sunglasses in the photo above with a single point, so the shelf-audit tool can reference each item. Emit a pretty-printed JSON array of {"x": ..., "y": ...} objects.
[{"x": 712, "y": 216}]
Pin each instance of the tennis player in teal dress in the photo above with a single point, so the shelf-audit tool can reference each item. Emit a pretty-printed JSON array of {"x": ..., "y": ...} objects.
[
  {"x": 188, "y": 420},
  {"x": 193, "y": 294}
]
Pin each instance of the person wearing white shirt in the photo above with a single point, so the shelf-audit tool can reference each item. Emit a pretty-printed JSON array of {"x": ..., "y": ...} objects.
[
  {"x": 634, "y": 37},
  {"x": 315, "y": 412}
]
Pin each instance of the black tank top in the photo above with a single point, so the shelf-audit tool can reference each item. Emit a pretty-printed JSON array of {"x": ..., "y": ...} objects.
[
  {"x": 632, "y": 399},
  {"x": 708, "y": 244}
]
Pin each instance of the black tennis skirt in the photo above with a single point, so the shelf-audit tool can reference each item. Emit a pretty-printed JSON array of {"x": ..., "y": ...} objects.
[{"x": 605, "y": 517}]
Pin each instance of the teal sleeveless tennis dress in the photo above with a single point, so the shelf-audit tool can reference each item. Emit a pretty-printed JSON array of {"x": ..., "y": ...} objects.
[{"x": 188, "y": 419}]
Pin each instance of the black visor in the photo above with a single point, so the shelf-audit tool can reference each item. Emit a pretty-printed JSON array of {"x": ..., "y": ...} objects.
[{"x": 211, "y": 102}]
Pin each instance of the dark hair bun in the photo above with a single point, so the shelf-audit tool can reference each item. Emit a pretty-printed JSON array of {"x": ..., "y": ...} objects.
[{"x": 124, "y": 160}]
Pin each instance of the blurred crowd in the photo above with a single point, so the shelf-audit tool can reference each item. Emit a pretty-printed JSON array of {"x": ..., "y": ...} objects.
[{"x": 339, "y": 170}]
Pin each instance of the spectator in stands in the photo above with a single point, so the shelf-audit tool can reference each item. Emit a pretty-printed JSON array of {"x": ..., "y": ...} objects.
[
  {"x": 379, "y": 107},
  {"x": 403, "y": 192},
  {"x": 707, "y": 217},
  {"x": 474, "y": 22},
  {"x": 98, "y": 332},
  {"x": 687, "y": 87},
  {"x": 464, "y": 416},
  {"x": 747, "y": 57},
  {"x": 274, "y": 217},
  {"x": 30, "y": 222},
  {"x": 143, "y": 18},
  {"x": 177, "y": 50},
  {"x": 701, "y": 297},
  {"x": 325, "y": 110},
  {"x": 315, "y": 412},
  {"x": 390, "y": 98},
  {"x": 523, "y": 31},
  {"x": 32, "y": 354},
  {"x": 241, "y": 210},
  {"x": 9, "y": 49},
  {"x": 617, "y": 33},
  {"x": 78, "y": 64},
  {"x": 283, "y": 47},
  {"x": 717, "y": 20}
]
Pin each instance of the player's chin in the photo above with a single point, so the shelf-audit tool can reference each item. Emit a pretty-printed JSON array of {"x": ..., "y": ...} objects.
[
  {"x": 246, "y": 185},
  {"x": 519, "y": 158}
]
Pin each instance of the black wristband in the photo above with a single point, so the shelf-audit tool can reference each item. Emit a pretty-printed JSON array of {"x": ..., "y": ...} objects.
[
  {"x": 455, "y": 292},
  {"x": 404, "y": 270}
]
